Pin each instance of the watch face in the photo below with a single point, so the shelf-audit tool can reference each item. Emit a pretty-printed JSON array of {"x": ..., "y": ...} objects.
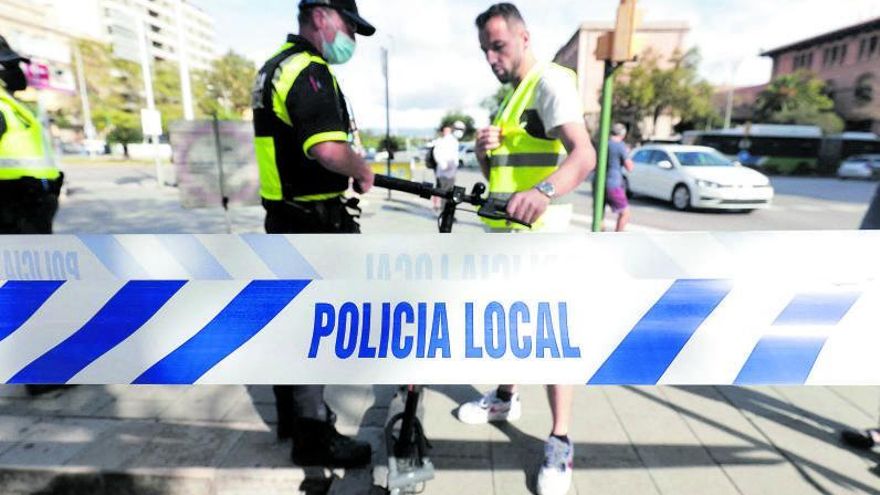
[{"x": 547, "y": 189}]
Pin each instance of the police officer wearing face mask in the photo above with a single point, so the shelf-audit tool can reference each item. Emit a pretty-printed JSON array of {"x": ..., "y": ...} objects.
[
  {"x": 306, "y": 165},
  {"x": 29, "y": 179}
]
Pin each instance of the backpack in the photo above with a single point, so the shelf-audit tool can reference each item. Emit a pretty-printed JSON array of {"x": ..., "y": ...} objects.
[{"x": 430, "y": 160}]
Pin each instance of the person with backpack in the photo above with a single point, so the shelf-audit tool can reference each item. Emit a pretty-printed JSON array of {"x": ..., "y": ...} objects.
[{"x": 446, "y": 157}]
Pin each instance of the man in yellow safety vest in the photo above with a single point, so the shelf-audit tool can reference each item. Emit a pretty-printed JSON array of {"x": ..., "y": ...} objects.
[{"x": 536, "y": 152}]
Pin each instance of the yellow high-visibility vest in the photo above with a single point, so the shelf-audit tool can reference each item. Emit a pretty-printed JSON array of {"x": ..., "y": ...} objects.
[
  {"x": 523, "y": 160},
  {"x": 24, "y": 150}
]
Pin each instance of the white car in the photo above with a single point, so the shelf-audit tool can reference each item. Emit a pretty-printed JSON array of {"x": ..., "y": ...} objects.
[
  {"x": 468, "y": 156},
  {"x": 696, "y": 177},
  {"x": 860, "y": 167}
]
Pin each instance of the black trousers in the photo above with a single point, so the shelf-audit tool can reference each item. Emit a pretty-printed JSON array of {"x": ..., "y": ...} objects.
[
  {"x": 28, "y": 206},
  {"x": 327, "y": 217}
]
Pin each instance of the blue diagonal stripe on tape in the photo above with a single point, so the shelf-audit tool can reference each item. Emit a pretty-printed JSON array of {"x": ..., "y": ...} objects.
[
  {"x": 20, "y": 300},
  {"x": 649, "y": 349},
  {"x": 244, "y": 317},
  {"x": 779, "y": 359},
  {"x": 281, "y": 257},
  {"x": 126, "y": 312},
  {"x": 195, "y": 257},
  {"x": 115, "y": 257}
]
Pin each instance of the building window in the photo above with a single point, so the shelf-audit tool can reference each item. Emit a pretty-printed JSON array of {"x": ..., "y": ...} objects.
[
  {"x": 803, "y": 61},
  {"x": 863, "y": 48},
  {"x": 872, "y": 46},
  {"x": 864, "y": 89},
  {"x": 843, "y": 49},
  {"x": 829, "y": 89}
]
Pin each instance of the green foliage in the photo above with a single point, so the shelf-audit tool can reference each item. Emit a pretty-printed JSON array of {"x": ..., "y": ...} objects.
[
  {"x": 225, "y": 90},
  {"x": 798, "y": 98},
  {"x": 493, "y": 103},
  {"x": 646, "y": 90},
  {"x": 455, "y": 116},
  {"x": 376, "y": 140},
  {"x": 114, "y": 93},
  {"x": 166, "y": 88}
]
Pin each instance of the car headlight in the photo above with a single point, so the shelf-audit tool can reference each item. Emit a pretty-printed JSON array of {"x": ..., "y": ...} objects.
[{"x": 708, "y": 184}]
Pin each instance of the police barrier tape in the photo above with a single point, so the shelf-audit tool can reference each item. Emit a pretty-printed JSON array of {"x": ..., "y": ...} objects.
[
  {"x": 828, "y": 256},
  {"x": 361, "y": 324}
]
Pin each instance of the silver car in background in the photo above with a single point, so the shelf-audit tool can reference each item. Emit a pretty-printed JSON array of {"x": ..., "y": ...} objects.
[{"x": 860, "y": 167}]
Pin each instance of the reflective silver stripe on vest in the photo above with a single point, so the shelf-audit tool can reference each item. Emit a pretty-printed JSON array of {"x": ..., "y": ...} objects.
[
  {"x": 27, "y": 163},
  {"x": 528, "y": 160},
  {"x": 565, "y": 200}
]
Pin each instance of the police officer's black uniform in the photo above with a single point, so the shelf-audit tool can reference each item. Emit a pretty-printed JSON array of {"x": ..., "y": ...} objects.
[
  {"x": 297, "y": 104},
  {"x": 29, "y": 181}
]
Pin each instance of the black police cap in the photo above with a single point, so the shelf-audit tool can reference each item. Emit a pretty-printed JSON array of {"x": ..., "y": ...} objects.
[
  {"x": 348, "y": 8},
  {"x": 7, "y": 54}
]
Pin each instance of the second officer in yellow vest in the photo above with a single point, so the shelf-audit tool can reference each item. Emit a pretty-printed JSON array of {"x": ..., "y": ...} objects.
[
  {"x": 306, "y": 164},
  {"x": 29, "y": 179}
]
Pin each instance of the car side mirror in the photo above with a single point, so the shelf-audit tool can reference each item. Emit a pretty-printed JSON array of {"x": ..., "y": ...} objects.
[{"x": 665, "y": 165}]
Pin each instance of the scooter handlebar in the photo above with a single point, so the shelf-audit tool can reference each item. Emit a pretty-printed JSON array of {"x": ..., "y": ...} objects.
[{"x": 492, "y": 209}]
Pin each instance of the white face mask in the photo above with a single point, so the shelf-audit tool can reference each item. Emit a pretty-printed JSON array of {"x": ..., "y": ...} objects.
[{"x": 458, "y": 134}]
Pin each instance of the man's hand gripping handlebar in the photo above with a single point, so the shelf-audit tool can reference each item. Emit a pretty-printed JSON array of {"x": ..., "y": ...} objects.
[{"x": 489, "y": 208}]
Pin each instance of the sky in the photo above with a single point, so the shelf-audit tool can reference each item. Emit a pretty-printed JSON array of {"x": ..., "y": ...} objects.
[{"x": 436, "y": 64}]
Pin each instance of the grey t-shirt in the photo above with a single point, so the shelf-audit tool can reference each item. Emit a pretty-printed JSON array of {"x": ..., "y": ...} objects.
[{"x": 617, "y": 156}]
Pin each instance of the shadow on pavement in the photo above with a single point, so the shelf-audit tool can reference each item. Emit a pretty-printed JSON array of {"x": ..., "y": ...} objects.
[
  {"x": 782, "y": 413},
  {"x": 102, "y": 484}
]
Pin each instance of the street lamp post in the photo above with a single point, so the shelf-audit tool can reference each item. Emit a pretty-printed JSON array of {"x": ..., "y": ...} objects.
[
  {"x": 148, "y": 89},
  {"x": 88, "y": 126},
  {"x": 616, "y": 48},
  {"x": 728, "y": 114},
  {"x": 387, "y": 113}
]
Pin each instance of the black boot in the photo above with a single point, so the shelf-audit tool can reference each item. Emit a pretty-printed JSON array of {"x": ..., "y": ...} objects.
[
  {"x": 287, "y": 421},
  {"x": 317, "y": 443},
  {"x": 285, "y": 411}
]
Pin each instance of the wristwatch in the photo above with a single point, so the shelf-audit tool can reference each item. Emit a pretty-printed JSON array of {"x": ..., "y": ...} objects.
[{"x": 547, "y": 189}]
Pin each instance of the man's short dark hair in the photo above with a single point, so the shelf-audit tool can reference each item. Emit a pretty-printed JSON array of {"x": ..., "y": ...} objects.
[{"x": 508, "y": 11}]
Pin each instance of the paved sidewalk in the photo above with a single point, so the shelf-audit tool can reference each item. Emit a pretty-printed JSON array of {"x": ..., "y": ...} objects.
[{"x": 220, "y": 440}]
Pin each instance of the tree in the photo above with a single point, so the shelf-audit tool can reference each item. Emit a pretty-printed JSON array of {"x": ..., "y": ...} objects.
[
  {"x": 376, "y": 140},
  {"x": 225, "y": 90},
  {"x": 114, "y": 93},
  {"x": 493, "y": 103},
  {"x": 458, "y": 116},
  {"x": 647, "y": 91},
  {"x": 798, "y": 98},
  {"x": 166, "y": 87}
]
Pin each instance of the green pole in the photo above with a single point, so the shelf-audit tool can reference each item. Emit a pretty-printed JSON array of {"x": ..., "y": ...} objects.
[{"x": 604, "y": 136}]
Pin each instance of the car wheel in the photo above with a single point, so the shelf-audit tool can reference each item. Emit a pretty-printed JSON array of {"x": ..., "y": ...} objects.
[
  {"x": 629, "y": 193},
  {"x": 681, "y": 198}
]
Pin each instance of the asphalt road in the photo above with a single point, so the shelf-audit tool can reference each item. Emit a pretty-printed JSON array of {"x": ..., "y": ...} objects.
[{"x": 802, "y": 203}]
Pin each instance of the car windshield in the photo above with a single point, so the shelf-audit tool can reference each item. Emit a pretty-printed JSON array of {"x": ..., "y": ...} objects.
[{"x": 702, "y": 159}]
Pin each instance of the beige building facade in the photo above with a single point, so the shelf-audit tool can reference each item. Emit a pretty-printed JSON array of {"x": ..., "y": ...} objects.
[{"x": 662, "y": 39}]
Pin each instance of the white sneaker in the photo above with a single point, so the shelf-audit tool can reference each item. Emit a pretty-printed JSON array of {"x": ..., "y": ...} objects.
[
  {"x": 555, "y": 475},
  {"x": 490, "y": 409}
]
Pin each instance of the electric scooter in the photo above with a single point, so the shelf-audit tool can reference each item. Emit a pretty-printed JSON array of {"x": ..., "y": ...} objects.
[{"x": 409, "y": 464}]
